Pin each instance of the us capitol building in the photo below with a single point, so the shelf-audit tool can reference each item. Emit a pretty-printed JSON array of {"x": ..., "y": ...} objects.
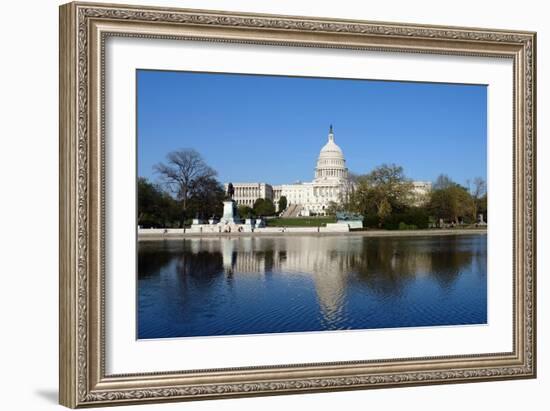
[{"x": 331, "y": 184}]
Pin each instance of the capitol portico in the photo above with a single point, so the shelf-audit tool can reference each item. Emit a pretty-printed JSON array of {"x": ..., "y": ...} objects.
[{"x": 330, "y": 184}]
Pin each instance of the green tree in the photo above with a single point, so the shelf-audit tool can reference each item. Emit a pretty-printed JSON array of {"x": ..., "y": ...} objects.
[
  {"x": 156, "y": 208},
  {"x": 384, "y": 210},
  {"x": 147, "y": 197},
  {"x": 332, "y": 208},
  {"x": 245, "y": 211},
  {"x": 282, "y": 203},
  {"x": 264, "y": 207},
  {"x": 390, "y": 184},
  {"x": 452, "y": 203},
  {"x": 207, "y": 198},
  {"x": 383, "y": 191},
  {"x": 413, "y": 218}
]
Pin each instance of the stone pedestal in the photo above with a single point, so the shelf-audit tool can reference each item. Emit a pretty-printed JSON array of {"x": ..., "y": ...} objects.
[
  {"x": 248, "y": 226},
  {"x": 230, "y": 213},
  {"x": 480, "y": 221}
]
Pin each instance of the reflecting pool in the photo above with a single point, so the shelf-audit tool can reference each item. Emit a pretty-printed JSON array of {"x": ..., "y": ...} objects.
[{"x": 256, "y": 284}]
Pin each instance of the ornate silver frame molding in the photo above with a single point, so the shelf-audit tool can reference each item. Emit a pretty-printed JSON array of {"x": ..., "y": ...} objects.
[{"x": 83, "y": 30}]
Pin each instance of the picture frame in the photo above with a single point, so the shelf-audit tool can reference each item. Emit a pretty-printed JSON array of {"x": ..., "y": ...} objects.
[{"x": 84, "y": 30}]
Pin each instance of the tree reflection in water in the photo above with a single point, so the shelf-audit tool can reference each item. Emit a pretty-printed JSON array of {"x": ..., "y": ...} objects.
[{"x": 243, "y": 285}]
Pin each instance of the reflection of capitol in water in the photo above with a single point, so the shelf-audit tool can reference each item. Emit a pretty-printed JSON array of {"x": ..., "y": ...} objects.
[
  {"x": 332, "y": 262},
  {"x": 306, "y": 256},
  {"x": 302, "y": 254},
  {"x": 258, "y": 284}
]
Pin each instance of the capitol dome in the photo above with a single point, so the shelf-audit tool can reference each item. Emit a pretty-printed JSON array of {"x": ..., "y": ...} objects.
[{"x": 331, "y": 164}]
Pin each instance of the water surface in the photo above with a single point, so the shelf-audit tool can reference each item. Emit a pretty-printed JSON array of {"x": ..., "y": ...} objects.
[{"x": 254, "y": 285}]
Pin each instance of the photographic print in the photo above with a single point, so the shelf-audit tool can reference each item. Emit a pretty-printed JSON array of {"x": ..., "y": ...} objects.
[
  {"x": 278, "y": 204},
  {"x": 242, "y": 195}
]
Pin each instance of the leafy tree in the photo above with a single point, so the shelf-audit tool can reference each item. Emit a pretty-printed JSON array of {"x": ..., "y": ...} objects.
[
  {"x": 207, "y": 197},
  {"x": 264, "y": 207},
  {"x": 282, "y": 203},
  {"x": 414, "y": 217},
  {"x": 332, "y": 208},
  {"x": 245, "y": 211},
  {"x": 156, "y": 208},
  {"x": 148, "y": 196},
  {"x": 383, "y": 191},
  {"x": 384, "y": 210},
  {"x": 452, "y": 203},
  {"x": 390, "y": 185},
  {"x": 386, "y": 199},
  {"x": 183, "y": 174}
]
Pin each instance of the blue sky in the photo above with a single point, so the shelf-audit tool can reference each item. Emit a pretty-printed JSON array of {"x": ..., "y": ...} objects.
[{"x": 271, "y": 128}]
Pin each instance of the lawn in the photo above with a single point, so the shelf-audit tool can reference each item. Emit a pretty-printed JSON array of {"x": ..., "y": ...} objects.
[{"x": 300, "y": 222}]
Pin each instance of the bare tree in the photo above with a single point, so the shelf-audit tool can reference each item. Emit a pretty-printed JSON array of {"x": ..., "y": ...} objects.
[
  {"x": 183, "y": 172},
  {"x": 477, "y": 192},
  {"x": 479, "y": 189},
  {"x": 442, "y": 182}
]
